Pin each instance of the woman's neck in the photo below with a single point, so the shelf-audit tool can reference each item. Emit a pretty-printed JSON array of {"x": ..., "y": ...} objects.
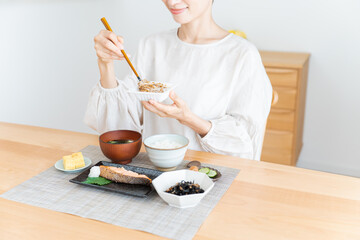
[{"x": 202, "y": 30}]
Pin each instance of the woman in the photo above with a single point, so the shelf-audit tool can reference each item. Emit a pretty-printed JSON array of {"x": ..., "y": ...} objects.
[{"x": 223, "y": 94}]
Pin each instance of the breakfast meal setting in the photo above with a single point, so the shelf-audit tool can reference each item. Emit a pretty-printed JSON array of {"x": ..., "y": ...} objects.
[
  {"x": 179, "y": 119},
  {"x": 164, "y": 151}
]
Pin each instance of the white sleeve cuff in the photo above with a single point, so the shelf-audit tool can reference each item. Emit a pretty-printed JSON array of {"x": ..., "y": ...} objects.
[
  {"x": 208, "y": 135},
  {"x": 110, "y": 89},
  {"x": 229, "y": 136}
]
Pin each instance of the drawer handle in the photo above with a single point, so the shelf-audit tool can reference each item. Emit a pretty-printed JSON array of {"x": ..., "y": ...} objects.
[{"x": 275, "y": 98}]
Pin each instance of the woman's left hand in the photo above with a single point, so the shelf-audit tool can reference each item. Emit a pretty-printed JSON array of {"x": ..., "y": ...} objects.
[{"x": 178, "y": 110}]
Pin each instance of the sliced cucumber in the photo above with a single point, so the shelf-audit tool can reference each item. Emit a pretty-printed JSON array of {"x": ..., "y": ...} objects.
[
  {"x": 212, "y": 173},
  {"x": 204, "y": 170}
]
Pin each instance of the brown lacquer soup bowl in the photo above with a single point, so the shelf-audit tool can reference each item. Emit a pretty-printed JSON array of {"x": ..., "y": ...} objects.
[{"x": 120, "y": 146}]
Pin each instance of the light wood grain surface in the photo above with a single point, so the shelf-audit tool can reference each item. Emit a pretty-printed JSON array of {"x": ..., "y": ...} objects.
[
  {"x": 276, "y": 59},
  {"x": 266, "y": 201}
]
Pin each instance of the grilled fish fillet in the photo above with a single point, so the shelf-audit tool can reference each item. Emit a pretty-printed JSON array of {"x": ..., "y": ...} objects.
[{"x": 124, "y": 176}]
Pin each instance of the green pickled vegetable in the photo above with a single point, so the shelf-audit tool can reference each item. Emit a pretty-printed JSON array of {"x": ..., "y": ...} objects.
[
  {"x": 204, "y": 170},
  {"x": 212, "y": 173}
]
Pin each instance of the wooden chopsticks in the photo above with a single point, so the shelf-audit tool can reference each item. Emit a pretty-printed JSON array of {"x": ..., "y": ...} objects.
[{"x": 107, "y": 26}]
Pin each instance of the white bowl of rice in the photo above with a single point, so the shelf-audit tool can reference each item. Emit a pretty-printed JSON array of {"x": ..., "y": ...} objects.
[
  {"x": 155, "y": 93},
  {"x": 166, "y": 151}
]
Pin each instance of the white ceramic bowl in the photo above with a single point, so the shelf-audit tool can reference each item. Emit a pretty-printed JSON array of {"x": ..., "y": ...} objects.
[
  {"x": 169, "y": 179},
  {"x": 166, "y": 159},
  {"x": 146, "y": 96}
]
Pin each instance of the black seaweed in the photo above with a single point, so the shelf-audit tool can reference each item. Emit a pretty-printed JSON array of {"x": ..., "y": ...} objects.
[
  {"x": 120, "y": 141},
  {"x": 185, "y": 188}
]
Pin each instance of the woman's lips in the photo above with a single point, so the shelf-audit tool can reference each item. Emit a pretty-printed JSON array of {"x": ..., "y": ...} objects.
[{"x": 177, "y": 11}]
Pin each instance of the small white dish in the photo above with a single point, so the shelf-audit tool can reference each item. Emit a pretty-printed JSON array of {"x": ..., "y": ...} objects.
[
  {"x": 169, "y": 179},
  {"x": 166, "y": 159},
  {"x": 146, "y": 96},
  {"x": 60, "y": 166}
]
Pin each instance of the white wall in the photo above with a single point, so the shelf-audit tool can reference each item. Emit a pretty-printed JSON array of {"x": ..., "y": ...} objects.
[{"x": 48, "y": 64}]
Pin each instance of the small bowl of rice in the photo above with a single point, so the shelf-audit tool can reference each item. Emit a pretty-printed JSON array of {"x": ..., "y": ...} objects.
[{"x": 166, "y": 151}]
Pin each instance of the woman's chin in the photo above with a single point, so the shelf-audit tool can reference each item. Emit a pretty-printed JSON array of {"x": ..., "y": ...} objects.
[{"x": 181, "y": 20}]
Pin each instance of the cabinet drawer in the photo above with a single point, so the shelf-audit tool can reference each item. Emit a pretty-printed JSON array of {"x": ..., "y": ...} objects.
[
  {"x": 280, "y": 157},
  {"x": 280, "y": 119},
  {"x": 282, "y": 77},
  {"x": 278, "y": 139},
  {"x": 277, "y": 147},
  {"x": 286, "y": 98}
]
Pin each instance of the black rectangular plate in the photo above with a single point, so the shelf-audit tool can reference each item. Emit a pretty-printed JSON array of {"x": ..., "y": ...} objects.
[{"x": 124, "y": 188}]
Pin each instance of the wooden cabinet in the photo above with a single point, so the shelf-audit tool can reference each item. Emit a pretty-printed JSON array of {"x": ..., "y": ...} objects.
[{"x": 284, "y": 130}]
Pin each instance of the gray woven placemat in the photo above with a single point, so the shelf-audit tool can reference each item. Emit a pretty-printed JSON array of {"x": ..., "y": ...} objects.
[{"x": 51, "y": 189}]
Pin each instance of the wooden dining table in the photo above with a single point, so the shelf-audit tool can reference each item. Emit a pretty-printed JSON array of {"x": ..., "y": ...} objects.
[{"x": 265, "y": 201}]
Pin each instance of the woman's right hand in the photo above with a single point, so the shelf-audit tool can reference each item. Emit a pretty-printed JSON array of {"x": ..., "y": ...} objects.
[{"x": 108, "y": 46}]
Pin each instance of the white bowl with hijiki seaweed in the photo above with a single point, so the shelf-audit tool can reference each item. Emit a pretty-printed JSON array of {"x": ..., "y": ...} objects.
[
  {"x": 193, "y": 187},
  {"x": 166, "y": 151}
]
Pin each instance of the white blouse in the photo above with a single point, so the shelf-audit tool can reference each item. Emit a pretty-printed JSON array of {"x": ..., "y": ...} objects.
[{"x": 224, "y": 82}]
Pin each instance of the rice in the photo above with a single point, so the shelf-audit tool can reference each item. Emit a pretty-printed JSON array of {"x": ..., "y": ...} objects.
[
  {"x": 165, "y": 144},
  {"x": 94, "y": 171}
]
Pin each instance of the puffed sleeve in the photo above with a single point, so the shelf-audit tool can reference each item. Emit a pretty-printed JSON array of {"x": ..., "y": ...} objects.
[
  {"x": 240, "y": 131},
  {"x": 113, "y": 108}
]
